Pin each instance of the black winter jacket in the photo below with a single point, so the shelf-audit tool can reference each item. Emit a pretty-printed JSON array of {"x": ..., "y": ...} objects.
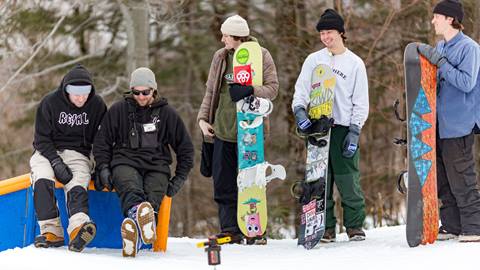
[
  {"x": 60, "y": 125},
  {"x": 113, "y": 146}
]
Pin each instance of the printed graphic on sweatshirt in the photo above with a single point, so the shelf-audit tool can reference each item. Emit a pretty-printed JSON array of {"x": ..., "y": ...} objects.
[
  {"x": 339, "y": 73},
  {"x": 73, "y": 119}
]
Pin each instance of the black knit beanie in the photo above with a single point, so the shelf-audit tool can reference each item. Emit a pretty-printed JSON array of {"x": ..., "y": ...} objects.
[
  {"x": 329, "y": 20},
  {"x": 450, "y": 8}
]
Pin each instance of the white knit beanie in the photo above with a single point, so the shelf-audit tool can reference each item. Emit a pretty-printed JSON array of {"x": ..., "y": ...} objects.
[{"x": 235, "y": 26}]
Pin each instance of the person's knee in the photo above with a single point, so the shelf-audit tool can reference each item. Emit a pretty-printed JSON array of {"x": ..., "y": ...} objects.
[
  {"x": 77, "y": 200},
  {"x": 126, "y": 179},
  {"x": 44, "y": 199}
]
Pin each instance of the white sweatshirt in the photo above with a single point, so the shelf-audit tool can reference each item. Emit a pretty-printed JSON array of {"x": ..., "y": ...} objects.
[{"x": 351, "y": 90}]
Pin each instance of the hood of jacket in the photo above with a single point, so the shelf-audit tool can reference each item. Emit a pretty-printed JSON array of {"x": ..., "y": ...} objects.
[{"x": 78, "y": 75}]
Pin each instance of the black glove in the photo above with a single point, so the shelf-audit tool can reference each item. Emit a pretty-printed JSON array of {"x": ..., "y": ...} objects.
[
  {"x": 61, "y": 170},
  {"x": 238, "y": 91},
  {"x": 431, "y": 54},
  {"x": 103, "y": 178},
  {"x": 350, "y": 143},
  {"x": 174, "y": 185}
]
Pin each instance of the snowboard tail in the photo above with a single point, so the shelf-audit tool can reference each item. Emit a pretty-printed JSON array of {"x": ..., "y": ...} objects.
[
  {"x": 422, "y": 201},
  {"x": 312, "y": 222},
  {"x": 252, "y": 197}
]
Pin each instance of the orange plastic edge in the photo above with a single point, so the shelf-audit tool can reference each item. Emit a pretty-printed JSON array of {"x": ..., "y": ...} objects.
[
  {"x": 15, "y": 184},
  {"x": 162, "y": 225}
]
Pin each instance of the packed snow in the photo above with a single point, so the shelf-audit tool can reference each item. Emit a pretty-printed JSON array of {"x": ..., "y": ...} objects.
[{"x": 384, "y": 248}]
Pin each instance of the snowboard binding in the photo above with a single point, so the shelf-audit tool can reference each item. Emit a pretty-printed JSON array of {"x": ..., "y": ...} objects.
[
  {"x": 318, "y": 142},
  {"x": 304, "y": 192},
  {"x": 402, "y": 182},
  {"x": 399, "y": 141},
  {"x": 257, "y": 106},
  {"x": 319, "y": 128},
  {"x": 397, "y": 113}
]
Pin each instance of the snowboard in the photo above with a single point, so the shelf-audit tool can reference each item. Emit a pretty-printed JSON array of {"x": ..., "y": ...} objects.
[
  {"x": 312, "y": 189},
  {"x": 252, "y": 169},
  {"x": 422, "y": 202}
]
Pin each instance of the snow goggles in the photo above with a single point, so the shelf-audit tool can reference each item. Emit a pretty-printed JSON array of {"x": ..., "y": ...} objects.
[{"x": 143, "y": 92}]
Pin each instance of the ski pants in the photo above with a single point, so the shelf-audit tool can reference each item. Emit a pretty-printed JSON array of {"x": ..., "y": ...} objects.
[
  {"x": 135, "y": 186},
  {"x": 43, "y": 181},
  {"x": 345, "y": 174},
  {"x": 225, "y": 190},
  {"x": 457, "y": 185}
]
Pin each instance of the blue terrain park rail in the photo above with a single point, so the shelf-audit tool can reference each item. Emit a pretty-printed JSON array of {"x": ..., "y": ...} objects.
[{"x": 19, "y": 224}]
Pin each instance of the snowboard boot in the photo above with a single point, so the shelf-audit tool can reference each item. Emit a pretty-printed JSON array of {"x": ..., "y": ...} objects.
[
  {"x": 257, "y": 240},
  {"x": 144, "y": 216},
  {"x": 81, "y": 236},
  {"x": 130, "y": 239},
  {"x": 329, "y": 236},
  {"x": 355, "y": 234},
  {"x": 465, "y": 238},
  {"x": 444, "y": 235},
  {"x": 47, "y": 240}
]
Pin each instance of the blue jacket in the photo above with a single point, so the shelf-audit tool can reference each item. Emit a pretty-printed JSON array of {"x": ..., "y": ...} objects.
[{"x": 458, "y": 91}]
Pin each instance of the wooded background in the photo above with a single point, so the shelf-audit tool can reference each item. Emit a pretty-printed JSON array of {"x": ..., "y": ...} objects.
[{"x": 40, "y": 40}]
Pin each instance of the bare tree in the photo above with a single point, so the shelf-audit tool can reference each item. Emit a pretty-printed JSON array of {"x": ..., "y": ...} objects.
[
  {"x": 135, "y": 14},
  {"x": 330, "y": 3}
]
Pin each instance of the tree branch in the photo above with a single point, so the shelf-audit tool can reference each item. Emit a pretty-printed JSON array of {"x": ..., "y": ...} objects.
[
  {"x": 385, "y": 26},
  {"x": 62, "y": 65},
  {"x": 55, "y": 28},
  {"x": 107, "y": 91}
]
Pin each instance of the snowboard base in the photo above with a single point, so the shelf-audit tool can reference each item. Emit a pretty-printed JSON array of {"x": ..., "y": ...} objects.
[{"x": 422, "y": 202}]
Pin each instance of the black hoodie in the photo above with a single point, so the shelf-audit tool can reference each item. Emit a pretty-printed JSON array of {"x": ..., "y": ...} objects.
[
  {"x": 112, "y": 143},
  {"x": 60, "y": 125}
]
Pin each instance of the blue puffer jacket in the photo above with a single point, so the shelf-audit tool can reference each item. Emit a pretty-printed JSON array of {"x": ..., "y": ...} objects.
[{"x": 458, "y": 92}]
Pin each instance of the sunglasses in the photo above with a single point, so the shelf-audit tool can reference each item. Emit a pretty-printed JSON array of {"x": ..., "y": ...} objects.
[{"x": 143, "y": 92}]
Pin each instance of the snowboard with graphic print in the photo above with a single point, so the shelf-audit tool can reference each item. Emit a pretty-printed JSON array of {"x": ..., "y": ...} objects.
[
  {"x": 252, "y": 176},
  {"x": 311, "y": 191},
  {"x": 422, "y": 202}
]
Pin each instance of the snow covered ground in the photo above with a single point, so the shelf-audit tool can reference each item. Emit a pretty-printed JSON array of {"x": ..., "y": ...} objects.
[{"x": 384, "y": 248}]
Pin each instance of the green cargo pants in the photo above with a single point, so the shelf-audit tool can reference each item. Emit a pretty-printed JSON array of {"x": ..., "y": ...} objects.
[{"x": 345, "y": 173}]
